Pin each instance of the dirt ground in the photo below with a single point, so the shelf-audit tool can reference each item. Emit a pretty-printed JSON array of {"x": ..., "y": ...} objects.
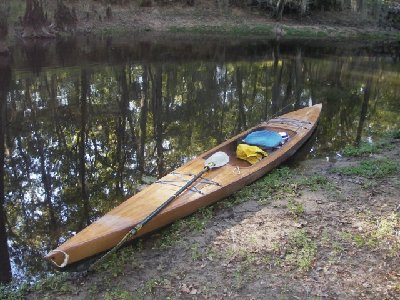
[{"x": 309, "y": 232}]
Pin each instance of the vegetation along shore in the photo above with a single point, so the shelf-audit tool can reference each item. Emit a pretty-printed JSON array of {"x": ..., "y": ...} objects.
[{"x": 266, "y": 18}]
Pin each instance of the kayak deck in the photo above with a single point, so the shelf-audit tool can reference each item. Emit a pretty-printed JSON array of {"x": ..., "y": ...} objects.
[{"x": 214, "y": 185}]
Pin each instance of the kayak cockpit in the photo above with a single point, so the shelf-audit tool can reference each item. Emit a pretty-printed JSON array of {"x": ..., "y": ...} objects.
[{"x": 230, "y": 148}]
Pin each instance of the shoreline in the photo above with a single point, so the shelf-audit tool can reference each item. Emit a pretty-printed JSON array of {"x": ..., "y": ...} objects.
[
  {"x": 209, "y": 19},
  {"x": 323, "y": 228}
]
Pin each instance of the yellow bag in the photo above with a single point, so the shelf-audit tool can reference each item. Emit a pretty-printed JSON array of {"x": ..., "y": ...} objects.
[{"x": 252, "y": 154}]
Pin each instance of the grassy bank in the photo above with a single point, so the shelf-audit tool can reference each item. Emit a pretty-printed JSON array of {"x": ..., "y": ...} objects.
[
  {"x": 282, "y": 31},
  {"x": 207, "y": 18}
]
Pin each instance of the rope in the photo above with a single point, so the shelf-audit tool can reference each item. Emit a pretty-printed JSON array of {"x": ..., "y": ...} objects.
[
  {"x": 66, "y": 258},
  {"x": 170, "y": 182}
]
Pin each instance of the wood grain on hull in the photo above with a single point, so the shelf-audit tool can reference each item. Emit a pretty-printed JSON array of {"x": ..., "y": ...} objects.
[{"x": 216, "y": 184}]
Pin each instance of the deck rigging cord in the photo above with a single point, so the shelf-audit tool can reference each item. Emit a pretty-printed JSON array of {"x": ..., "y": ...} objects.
[{"x": 218, "y": 159}]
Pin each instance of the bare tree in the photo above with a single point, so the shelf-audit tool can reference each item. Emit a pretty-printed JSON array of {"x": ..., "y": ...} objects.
[{"x": 4, "y": 12}]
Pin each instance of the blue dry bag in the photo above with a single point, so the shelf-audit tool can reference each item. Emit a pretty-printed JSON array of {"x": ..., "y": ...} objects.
[{"x": 264, "y": 139}]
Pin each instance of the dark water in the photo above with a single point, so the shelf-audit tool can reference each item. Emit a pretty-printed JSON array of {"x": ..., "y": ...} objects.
[{"x": 85, "y": 122}]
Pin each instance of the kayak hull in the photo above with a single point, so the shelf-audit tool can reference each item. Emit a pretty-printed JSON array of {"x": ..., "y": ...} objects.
[{"x": 213, "y": 186}]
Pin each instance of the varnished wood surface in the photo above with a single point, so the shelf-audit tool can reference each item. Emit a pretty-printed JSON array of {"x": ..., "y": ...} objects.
[{"x": 218, "y": 183}]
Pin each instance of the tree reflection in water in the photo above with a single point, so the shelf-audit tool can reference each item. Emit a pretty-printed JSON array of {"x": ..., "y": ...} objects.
[
  {"x": 5, "y": 79},
  {"x": 81, "y": 138}
]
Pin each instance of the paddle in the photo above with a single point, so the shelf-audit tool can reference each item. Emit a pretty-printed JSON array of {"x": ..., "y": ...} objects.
[{"x": 218, "y": 159}]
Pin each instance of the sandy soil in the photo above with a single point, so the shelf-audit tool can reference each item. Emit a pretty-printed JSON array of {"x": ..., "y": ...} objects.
[{"x": 336, "y": 238}]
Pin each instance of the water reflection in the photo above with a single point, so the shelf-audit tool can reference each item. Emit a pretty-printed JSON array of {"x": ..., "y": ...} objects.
[
  {"x": 5, "y": 78},
  {"x": 79, "y": 139}
]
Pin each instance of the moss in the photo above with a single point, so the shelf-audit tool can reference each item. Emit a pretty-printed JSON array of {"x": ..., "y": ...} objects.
[
  {"x": 265, "y": 30},
  {"x": 305, "y": 33},
  {"x": 373, "y": 168},
  {"x": 367, "y": 149}
]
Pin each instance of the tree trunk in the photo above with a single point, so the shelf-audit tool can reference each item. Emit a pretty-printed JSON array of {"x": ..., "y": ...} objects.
[
  {"x": 4, "y": 12},
  {"x": 35, "y": 22}
]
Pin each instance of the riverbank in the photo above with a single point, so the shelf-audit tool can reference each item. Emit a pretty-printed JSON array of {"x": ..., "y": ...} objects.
[
  {"x": 207, "y": 19},
  {"x": 321, "y": 229},
  {"x": 210, "y": 17}
]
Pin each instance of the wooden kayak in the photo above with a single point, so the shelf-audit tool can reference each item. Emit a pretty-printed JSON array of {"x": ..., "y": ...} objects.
[{"x": 214, "y": 185}]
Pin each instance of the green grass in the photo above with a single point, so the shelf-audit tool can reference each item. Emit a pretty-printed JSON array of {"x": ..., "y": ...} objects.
[
  {"x": 196, "y": 253},
  {"x": 372, "y": 35},
  {"x": 263, "y": 190},
  {"x": 379, "y": 234},
  {"x": 280, "y": 183},
  {"x": 170, "y": 236},
  {"x": 366, "y": 149},
  {"x": 265, "y": 30},
  {"x": 118, "y": 295},
  {"x": 148, "y": 289},
  {"x": 302, "y": 250},
  {"x": 305, "y": 33},
  {"x": 377, "y": 168},
  {"x": 8, "y": 293},
  {"x": 196, "y": 222},
  {"x": 314, "y": 182},
  {"x": 393, "y": 134},
  {"x": 115, "y": 264},
  {"x": 295, "y": 207},
  {"x": 378, "y": 146}
]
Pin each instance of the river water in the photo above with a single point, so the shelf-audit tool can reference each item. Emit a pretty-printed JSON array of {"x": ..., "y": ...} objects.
[{"x": 86, "y": 122}]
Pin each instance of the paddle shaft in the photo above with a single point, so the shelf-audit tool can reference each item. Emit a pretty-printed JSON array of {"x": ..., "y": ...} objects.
[{"x": 154, "y": 213}]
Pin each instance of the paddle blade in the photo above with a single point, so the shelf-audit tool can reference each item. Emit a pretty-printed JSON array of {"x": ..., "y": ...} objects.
[{"x": 218, "y": 159}]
